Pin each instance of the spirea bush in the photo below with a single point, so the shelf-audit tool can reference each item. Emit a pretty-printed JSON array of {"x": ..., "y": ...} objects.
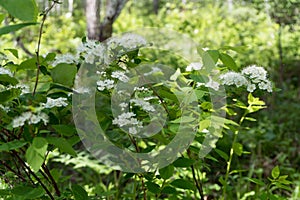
[{"x": 43, "y": 115}]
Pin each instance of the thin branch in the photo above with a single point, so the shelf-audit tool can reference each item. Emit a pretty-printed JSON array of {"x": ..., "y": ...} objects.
[
  {"x": 53, "y": 182},
  {"x": 38, "y": 64},
  {"x": 34, "y": 175}
]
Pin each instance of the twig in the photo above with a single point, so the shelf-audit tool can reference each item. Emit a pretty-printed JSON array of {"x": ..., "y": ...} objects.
[
  {"x": 53, "y": 182},
  {"x": 34, "y": 175},
  {"x": 38, "y": 64}
]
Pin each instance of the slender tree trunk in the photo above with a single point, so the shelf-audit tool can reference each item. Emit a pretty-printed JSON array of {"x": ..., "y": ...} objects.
[
  {"x": 230, "y": 5},
  {"x": 92, "y": 13},
  {"x": 70, "y": 6},
  {"x": 155, "y": 6},
  {"x": 113, "y": 10}
]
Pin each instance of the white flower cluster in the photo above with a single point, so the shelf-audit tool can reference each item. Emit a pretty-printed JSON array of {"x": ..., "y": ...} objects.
[
  {"x": 212, "y": 84},
  {"x": 251, "y": 77},
  {"x": 59, "y": 102},
  {"x": 65, "y": 58},
  {"x": 120, "y": 75},
  {"x": 128, "y": 119},
  {"x": 91, "y": 50},
  {"x": 31, "y": 118},
  {"x": 128, "y": 41},
  {"x": 194, "y": 66},
  {"x": 106, "y": 84},
  {"x": 146, "y": 106},
  {"x": 6, "y": 71}
]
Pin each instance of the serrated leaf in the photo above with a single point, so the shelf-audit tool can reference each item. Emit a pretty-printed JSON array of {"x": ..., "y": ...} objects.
[
  {"x": 228, "y": 61},
  {"x": 183, "y": 162},
  {"x": 11, "y": 28},
  {"x": 153, "y": 187},
  {"x": 64, "y": 74},
  {"x": 166, "y": 172},
  {"x": 62, "y": 144},
  {"x": 183, "y": 184},
  {"x": 12, "y": 145},
  {"x": 35, "y": 154},
  {"x": 275, "y": 172},
  {"x": 25, "y": 10},
  {"x": 79, "y": 193}
]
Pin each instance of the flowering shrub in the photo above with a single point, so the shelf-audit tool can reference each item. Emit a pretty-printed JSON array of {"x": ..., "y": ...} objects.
[{"x": 155, "y": 120}]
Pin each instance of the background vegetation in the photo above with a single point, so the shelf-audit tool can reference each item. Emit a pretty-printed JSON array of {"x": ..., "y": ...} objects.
[{"x": 261, "y": 32}]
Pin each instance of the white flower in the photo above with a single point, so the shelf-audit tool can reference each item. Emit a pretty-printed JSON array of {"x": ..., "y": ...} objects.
[
  {"x": 127, "y": 119},
  {"x": 265, "y": 85},
  {"x": 256, "y": 74},
  {"x": 132, "y": 130},
  {"x": 251, "y": 87},
  {"x": 6, "y": 71},
  {"x": 194, "y": 66},
  {"x": 144, "y": 104},
  {"x": 106, "y": 84},
  {"x": 128, "y": 41},
  {"x": 141, "y": 89},
  {"x": 231, "y": 78},
  {"x": 31, "y": 118},
  {"x": 59, "y": 102},
  {"x": 90, "y": 58},
  {"x": 212, "y": 84},
  {"x": 66, "y": 58},
  {"x": 120, "y": 75}
]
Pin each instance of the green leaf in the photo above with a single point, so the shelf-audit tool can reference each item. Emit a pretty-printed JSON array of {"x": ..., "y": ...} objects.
[
  {"x": 29, "y": 63},
  {"x": 153, "y": 187},
  {"x": 5, "y": 192},
  {"x": 275, "y": 172},
  {"x": 168, "y": 190},
  {"x": 14, "y": 52},
  {"x": 208, "y": 62},
  {"x": 62, "y": 144},
  {"x": 166, "y": 172},
  {"x": 5, "y": 80},
  {"x": 28, "y": 192},
  {"x": 35, "y": 154},
  {"x": 184, "y": 119},
  {"x": 214, "y": 54},
  {"x": 228, "y": 61},
  {"x": 183, "y": 184},
  {"x": 25, "y": 10},
  {"x": 12, "y": 145},
  {"x": 64, "y": 74},
  {"x": 183, "y": 162},
  {"x": 65, "y": 130},
  {"x": 79, "y": 193},
  {"x": 11, "y": 28},
  {"x": 256, "y": 181},
  {"x": 222, "y": 154},
  {"x": 238, "y": 148},
  {"x": 9, "y": 95}
]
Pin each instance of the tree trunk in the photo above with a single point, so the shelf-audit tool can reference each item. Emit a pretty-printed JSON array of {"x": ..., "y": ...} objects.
[
  {"x": 155, "y": 6},
  {"x": 92, "y": 13},
  {"x": 113, "y": 10},
  {"x": 70, "y": 6}
]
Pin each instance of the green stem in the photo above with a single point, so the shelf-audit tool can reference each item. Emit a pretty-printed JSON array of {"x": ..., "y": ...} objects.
[{"x": 231, "y": 155}]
